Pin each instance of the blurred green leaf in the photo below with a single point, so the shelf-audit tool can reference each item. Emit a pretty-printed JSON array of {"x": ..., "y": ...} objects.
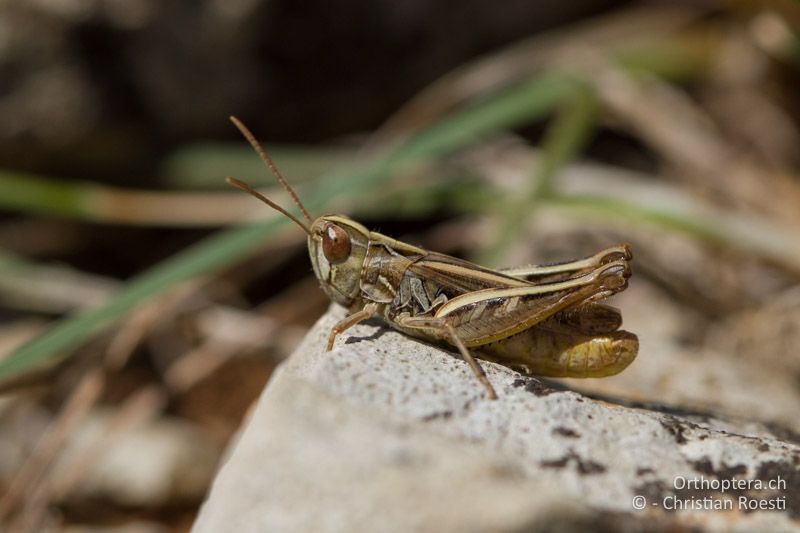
[
  {"x": 676, "y": 58},
  {"x": 33, "y": 193},
  {"x": 614, "y": 209},
  {"x": 203, "y": 165},
  {"x": 566, "y": 136}
]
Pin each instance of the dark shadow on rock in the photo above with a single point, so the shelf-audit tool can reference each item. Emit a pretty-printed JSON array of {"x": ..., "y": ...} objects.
[{"x": 377, "y": 334}]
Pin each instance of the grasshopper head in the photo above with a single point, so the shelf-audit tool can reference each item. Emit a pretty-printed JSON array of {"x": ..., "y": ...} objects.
[
  {"x": 336, "y": 243},
  {"x": 337, "y": 246}
]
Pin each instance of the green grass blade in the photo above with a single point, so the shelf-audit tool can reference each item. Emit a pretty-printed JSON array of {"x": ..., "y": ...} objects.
[
  {"x": 212, "y": 253},
  {"x": 198, "y": 166},
  {"x": 33, "y": 193},
  {"x": 566, "y": 136},
  {"x": 760, "y": 237}
]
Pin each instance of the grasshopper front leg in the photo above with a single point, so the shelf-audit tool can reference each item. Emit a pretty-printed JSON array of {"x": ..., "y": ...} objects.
[
  {"x": 348, "y": 322},
  {"x": 442, "y": 329}
]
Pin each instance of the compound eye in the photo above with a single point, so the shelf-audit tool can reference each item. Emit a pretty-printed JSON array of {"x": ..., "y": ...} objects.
[{"x": 335, "y": 244}]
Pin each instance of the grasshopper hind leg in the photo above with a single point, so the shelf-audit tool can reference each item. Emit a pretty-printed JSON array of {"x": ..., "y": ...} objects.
[{"x": 444, "y": 330}]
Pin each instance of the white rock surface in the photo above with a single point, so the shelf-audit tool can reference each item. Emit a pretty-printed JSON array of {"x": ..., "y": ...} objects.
[{"x": 386, "y": 433}]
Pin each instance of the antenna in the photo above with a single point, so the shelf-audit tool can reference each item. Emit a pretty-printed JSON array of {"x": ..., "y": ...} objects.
[
  {"x": 275, "y": 172},
  {"x": 251, "y": 191}
]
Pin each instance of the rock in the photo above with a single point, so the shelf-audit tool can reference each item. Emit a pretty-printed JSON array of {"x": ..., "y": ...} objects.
[{"x": 386, "y": 433}]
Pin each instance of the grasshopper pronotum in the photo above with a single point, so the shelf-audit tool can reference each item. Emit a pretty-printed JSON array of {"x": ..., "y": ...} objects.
[{"x": 539, "y": 319}]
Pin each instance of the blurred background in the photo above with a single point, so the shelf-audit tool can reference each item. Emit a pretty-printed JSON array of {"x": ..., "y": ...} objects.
[{"x": 144, "y": 304}]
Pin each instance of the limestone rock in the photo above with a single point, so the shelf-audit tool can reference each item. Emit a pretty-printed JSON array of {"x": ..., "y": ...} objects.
[{"x": 386, "y": 433}]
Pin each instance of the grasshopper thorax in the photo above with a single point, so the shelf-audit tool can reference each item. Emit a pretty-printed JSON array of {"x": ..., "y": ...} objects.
[{"x": 337, "y": 246}]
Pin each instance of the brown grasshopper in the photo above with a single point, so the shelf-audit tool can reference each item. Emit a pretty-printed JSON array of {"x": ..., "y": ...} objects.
[{"x": 539, "y": 319}]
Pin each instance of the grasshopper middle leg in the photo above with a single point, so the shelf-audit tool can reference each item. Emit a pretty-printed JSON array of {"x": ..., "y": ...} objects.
[{"x": 443, "y": 329}]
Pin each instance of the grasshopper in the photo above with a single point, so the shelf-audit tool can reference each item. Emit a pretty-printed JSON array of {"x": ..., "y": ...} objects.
[{"x": 539, "y": 319}]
